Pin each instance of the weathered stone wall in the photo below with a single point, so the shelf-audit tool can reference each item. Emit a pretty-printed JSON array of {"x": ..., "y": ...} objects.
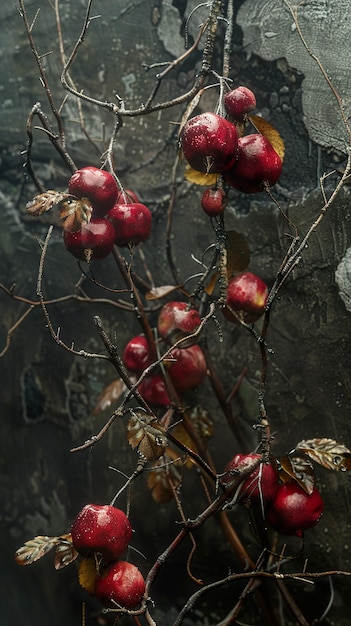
[{"x": 47, "y": 395}]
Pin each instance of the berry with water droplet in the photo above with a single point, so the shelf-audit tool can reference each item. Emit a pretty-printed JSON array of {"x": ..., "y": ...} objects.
[
  {"x": 261, "y": 485},
  {"x": 239, "y": 102},
  {"x": 120, "y": 583},
  {"x": 101, "y": 529},
  {"x": 258, "y": 165},
  {"x": 293, "y": 510},
  {"x": 246, "y": 295},
  {"x": 95, "y": 240},
  {"x": 136, "y": 354},
  {"x": 209, "y": 143},
  {"x": 177, "y": 320},
  {"x": 97, "y": 185},
  {"x": 132, "y": 223},
  {"x": 213, "y": 201}
]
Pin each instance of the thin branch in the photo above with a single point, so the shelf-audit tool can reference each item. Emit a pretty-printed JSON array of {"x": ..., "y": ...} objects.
[
  {"x": 173, "y": 65},
  {"x": 294, "y": 13},
  {"x": 13, "y": 328},
  {"x": 227, "y": 45},
  {"x": 43, "y": 77},
  {"x": 120, "y": 109},
  {"x": 55, "y": 334},
  {"x": 273, "y": 576}
]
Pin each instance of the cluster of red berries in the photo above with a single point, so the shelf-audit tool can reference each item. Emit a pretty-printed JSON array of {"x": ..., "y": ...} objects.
[
  {"x": 288, "y": 508},
  {"x": 117, "y": 216},
  {"x": 186, "y": 366},
  {"x": 104, "y": 532},
  {"x": 214, "y": 144}
]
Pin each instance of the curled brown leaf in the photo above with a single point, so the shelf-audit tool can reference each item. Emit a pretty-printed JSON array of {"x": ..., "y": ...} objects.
[
  {"x": 146, "y": 435},
  {"x": 327, "y": 452}
]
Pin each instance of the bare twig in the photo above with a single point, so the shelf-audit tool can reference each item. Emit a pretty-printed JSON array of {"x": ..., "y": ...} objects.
[
  {"x": 13, "y": 328},
  {"x": 55, "y": 334},
  {"x": 119, "y": 109},
  {"x": 273, "y": 576}
]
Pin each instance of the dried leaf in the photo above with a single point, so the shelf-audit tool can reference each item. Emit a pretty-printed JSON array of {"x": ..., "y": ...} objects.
[
  {"x": 180, "y": 432},
  {"x": 75, "y": 212},
  {"x": 271, "y": 133},
  {"x": 202, "y": 423},
  {"x": 34, "y": 549},
  {"x": 45, "y": 201},
  {"x": 146, "y": 435},
  {"x": 65, "y": 553},
  {"x": 199, "y": 178},
  {"x": 160, "y": 292},
  {"x": 327, "y": 452},
  {"x": 163, "y": 480},
  {"x": 298, "y": 468},
  {"x": 238, "y": 258},
  {"x": 110, "y": 394},
  {"x": 87, "y": 574}
]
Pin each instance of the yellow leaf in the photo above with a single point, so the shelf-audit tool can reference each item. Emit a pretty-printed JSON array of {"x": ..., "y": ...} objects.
[
  {"x": 165, "y": 478},
  {"x": 271, "y": 133},
  {"x": 180, "y": 432},
  {"x": 202, "y": 424},
  {"x": 87, "y": 575},
  {"x": 199, "y": 178}
]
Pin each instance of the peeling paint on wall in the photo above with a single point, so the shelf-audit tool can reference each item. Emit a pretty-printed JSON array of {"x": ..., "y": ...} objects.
[{"x": 343, "y": 279}]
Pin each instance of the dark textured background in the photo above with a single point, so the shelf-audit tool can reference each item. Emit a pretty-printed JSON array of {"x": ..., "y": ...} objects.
[{"x": 47, "y": 396}]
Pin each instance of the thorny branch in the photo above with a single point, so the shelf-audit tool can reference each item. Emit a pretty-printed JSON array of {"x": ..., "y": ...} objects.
[
  {"x": 294, "y": 254},
  {"x": 259, "y": 571},
  {"x": 303, "y": 577},
  {"x": 56, "y": 333},
  {"x": 150, "y": 107}
]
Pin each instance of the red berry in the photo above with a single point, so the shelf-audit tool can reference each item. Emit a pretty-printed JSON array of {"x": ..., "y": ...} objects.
[
  {"x": 189, "y": 369},
  {"x": 97, "y": 185},
  {"x": 132, "y": 223},
  {"x": 103, "y": 529},
  {"x": 95, "y": 239},
  {"x": 177, "y": 320},
  {"x": 73, "y": 243},
  {"x": 262, "y": 483},
  {"x": 153, "y": 390},
  {"x": 209, "y": 143},
  {"x": 136, "y": 354},
  {"x": 120, "y": 583},
  {"x": 246, "y": 294},
  {"x": 97, "y": 235},
  {"x": 239, "y": 102},
  {"x": 257, "y": 164},
  {"x": 293, "y": 510},
  {"x": 213, "y": 201}
]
